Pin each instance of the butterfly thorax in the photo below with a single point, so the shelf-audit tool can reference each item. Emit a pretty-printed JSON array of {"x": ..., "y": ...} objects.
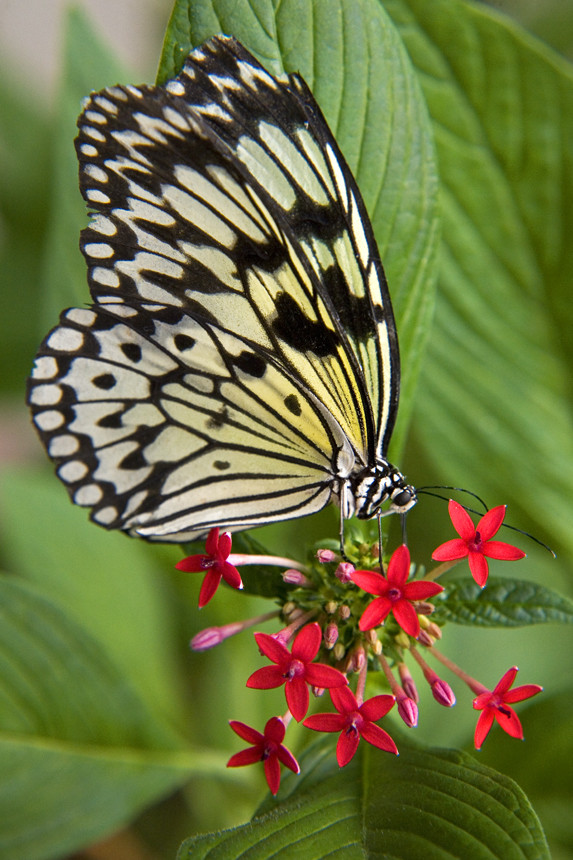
[{"x": 374, "y": 485}]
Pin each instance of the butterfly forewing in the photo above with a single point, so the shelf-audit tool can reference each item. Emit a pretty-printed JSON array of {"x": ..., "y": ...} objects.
[{"x": 241, "y": 360}]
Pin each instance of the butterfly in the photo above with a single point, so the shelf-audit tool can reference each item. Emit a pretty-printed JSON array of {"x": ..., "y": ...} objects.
[{"x": 239, "y": 364}]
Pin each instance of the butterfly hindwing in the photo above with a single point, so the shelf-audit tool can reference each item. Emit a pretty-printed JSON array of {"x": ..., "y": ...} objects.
[{"x": 169, "y": 429}]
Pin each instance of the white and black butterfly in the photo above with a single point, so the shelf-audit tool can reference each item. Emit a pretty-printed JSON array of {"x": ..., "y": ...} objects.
[{"x": 240, "y": 363}]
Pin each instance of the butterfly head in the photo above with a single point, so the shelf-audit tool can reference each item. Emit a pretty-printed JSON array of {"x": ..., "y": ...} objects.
[{"x": 382, "y": 483}]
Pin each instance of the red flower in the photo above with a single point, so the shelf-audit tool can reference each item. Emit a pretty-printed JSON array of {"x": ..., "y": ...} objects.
[
  {"x": 354, "y": 722},
  {"x": 495, "y": 706},
  {"x": 475, "y": 542},
  {"x": 295, "y": 670},
  {"x": 267, "y": 748},
  {"x": 395, "y": 594},
  {"x": 215, "y": 563}
]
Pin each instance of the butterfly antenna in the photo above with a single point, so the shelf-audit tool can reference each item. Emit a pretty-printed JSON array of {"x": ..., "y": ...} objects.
[{"x": 453, "y": 489}]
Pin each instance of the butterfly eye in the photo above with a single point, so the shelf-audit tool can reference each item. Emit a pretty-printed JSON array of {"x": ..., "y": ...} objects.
[{"x": 404, "y": 498}]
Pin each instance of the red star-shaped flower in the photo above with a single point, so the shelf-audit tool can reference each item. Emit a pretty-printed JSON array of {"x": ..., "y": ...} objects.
[
  {"x": 267, "y": 747},
  {"x": 295, "y": 670},
  {"x": 215, "y": 563},
  {"x": 494, "y": 705},
  {"x": 395, "y": 595},
  {"x": 475, "y": 542},
  {"x": 354, "y": 721}
]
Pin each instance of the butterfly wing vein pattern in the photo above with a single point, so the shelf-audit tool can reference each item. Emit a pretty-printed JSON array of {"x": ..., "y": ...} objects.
[{"x": 239, "y": 364}]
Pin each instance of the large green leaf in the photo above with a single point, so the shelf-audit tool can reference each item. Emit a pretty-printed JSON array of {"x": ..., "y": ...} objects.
[
  {"x": 106, "y": 582},
  {"x": 80, "y": 753},
  {"x": 437, "y": 804},
  {"x": 350, "y": 55},
  {"x": 503, "y": 603},
  {"x": 494, "y": 409}
]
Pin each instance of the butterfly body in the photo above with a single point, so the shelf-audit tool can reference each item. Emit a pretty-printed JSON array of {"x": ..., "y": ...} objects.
[{"x": 239, "y": 364}]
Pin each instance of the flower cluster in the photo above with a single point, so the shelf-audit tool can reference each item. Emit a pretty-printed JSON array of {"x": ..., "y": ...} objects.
[{"x": 329, "y": 615}]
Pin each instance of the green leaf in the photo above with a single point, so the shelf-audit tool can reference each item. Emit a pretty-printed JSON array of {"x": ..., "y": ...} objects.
[
  {"x": 80, "y": 754},
  {"x": 541, "y": 772},
  {"x": 503, "y": 603},
  {"x": 494, "y": 407},
  {"x": 439, "y": 804},
  {"x": 106, "y": 582},
  {"x": 354, "y": 62}
]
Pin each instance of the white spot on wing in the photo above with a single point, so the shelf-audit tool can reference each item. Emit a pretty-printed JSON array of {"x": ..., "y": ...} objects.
[{"x": 63, "y": 446}]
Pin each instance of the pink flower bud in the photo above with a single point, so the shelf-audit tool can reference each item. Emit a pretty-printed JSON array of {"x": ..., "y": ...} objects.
[
  {"x": 424, "y": 608},
  {"x": 344, "y": 571},
  {"x": 424, "y": 638},
  {"x": 211, "y": 636},
  {"x": 326, "y": 555},
  {"x": 331, "y": 634},
  {"x": 356, "y": 660},
  {"x": 433, "y": 630},
  {"x": 408, "y": 710},
  {"x": 443, "y": 693},
  {"x": 408, "y": 684},
  {"x": 295, "y": 577}
]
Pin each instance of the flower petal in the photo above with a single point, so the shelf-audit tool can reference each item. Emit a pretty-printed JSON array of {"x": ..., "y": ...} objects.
[
  {"x": 504, "y": 551},
  {"x": 230, "y": 574},
  {"x": 505, "y": 681},
  {"x": 450, "y": 550},
  {"x": 521, "y": 693},
  {"x": 305, "y": 646},
  {"x": 275, "y": 730},
  {"x": 297, "y": 698},
  {"x": 378, "y": 738},
  {"x": 223, "y": 546},
  {"x": 325, "y": 722},
  {"x": 321, "y": 675},
  {"x": 421, "y": 589},
  {"x": 273, "y": 773},
  {"x": 509, "y": 722},
  {"x": 192, "y": 564},
  {"x": 209, "y": 586},
  {"x": 273, "y": 648},
  {"x": 212, "y": 543},
  {"x": 266, "y": 678},
  {"x": 247, "y": 733},
  {"x": 484, "y": 724},
  {"x": 482, "y": 701},
  {"x": 375, "y": 613},
  {"x": 377, "y": 707},
  {"x": 370, "y": 581},
  {"x": 479, "y": 568},
  {"x": 491, "y": 522},
  {"x": 461, "y": 520},
  {"x": 343, "y": 700},
  {"x": 249, "y": 756},
  {"x": 346, "y": 747},
  {"x": 399, "y": 567},
  {"x": 406, "y": 616},
  {"x": 286, "y": 757}
]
